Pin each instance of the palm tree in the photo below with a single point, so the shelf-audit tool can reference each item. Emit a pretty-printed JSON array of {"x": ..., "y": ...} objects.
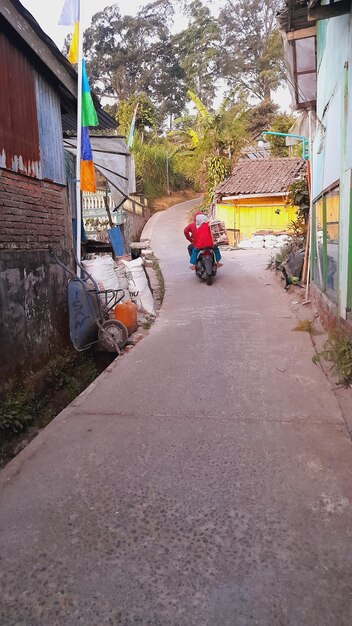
[{"x": 206, "y": 142}]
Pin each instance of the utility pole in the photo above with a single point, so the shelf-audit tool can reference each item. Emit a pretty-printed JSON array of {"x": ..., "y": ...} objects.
[{"x": 167, "y": 173}]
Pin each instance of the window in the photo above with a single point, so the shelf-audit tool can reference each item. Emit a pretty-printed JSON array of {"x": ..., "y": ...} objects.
[
  {"x": 305, "y": 71},
  {"x": 318, "y": 256},
  {"x": 305, "y": 54},
  {"x": 332, "y": 242},
  {"x": 326, "y": 242}
]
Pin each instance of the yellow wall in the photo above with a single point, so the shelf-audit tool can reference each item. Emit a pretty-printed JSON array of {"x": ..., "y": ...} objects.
[{"x": 249, "y": 215}]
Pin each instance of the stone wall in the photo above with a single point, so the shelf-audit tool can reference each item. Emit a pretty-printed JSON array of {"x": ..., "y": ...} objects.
[
  {"x": 33, "y": 316},
  {"x": 136, "y": 223}
]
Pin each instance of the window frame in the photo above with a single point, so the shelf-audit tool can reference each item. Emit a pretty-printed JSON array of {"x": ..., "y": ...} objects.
[
  {"x": 349, "y": 268},
  {"x": 301, "y": 102},
  {"x": 324, "y": 267}
]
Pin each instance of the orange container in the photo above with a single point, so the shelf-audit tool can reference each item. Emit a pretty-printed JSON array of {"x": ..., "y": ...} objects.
[{"x": 126, "y": 312}]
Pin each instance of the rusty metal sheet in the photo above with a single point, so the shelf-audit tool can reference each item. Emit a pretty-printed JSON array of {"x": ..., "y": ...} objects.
[
  {"x": 38, "y": 41},
  {"x": 19, "y": 139},
  {"x": 61, "y": 70}
]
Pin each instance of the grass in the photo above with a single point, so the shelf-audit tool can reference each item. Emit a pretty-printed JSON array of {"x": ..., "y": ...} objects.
[
  {"x": 305, "y": 326},
  {"x": 35, "y": 401},
  {"x": 337, "y": 350}
]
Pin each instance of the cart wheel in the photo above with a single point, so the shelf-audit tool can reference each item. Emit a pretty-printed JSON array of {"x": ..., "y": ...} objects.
[{"x": 113, "y": 335}]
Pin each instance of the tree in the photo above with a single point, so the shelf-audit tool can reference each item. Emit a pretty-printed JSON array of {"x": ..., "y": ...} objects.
[
  {"x": 111, "y": 109},
  {"x": 260, "y": 117},
  {"x": 208, "y": 141},
  {"x": 198, "y": 52},
  {"x": 251, "y": 48},
  {"x": 146, "y": 114},
  {"x": 282, "y": 124},
  {"x": 128, "y": 55}
]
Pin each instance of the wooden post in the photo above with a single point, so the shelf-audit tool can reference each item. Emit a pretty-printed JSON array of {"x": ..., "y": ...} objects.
[
  {"x": 306, "y": 256},
  {"x": 78, "y": 146},
  {"x": 106, "y": 200},
  {"x": 310, "y": 223}
]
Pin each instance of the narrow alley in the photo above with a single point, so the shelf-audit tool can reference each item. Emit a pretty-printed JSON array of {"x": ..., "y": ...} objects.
[{"x": 202, "y": 480}]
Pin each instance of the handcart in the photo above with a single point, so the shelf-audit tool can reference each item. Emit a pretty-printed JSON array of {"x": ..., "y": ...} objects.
[{"x": 88, "y": 309}]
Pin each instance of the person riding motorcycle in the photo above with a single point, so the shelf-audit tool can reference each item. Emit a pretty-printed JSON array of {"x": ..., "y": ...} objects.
[
  {"x": 190, "y": 230},
  {"x": 203, "y": 239}
]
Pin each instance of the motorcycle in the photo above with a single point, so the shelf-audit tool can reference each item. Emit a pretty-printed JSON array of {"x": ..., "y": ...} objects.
[{"x": 206, "y": 266}]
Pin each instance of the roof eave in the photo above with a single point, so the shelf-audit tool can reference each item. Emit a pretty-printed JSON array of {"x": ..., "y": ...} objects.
[
  {"x": 41, "y": 45},
  {"x": 48, "y": 54},
  {"x": 254, "y": 195}
]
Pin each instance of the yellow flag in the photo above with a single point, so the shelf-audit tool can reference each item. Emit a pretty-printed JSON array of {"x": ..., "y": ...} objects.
[
  {"x": 73, "y": 51},
  {"x": 69, "y": 17}
]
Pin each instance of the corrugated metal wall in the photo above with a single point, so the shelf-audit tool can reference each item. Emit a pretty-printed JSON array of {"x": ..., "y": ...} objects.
[
  {"x": 50, "y": 131},
  {"x": 19, "y": 142},
  {"x": 30, "y": 118},
  {"x": 261, "y": 215}
]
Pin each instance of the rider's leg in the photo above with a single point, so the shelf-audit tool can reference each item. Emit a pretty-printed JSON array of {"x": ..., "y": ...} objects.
[
  {"x": 217, "y": 256},
  {"x": 193, "y": 259}
]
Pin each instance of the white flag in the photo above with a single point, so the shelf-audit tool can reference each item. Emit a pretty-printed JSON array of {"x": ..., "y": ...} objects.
[{"x": 70, "y": 13}]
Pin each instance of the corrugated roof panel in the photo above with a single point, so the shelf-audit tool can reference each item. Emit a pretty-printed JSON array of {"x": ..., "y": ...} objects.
[
  {"x": 114, "y": 161},
  {"x": 106, "y": 122}
]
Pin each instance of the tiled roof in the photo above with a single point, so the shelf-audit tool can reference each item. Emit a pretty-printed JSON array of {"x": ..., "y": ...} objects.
[{"x": 262, "y": 176}]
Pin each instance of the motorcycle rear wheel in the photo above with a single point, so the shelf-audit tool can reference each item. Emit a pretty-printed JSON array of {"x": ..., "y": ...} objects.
[{"x": 209, "y": 279}]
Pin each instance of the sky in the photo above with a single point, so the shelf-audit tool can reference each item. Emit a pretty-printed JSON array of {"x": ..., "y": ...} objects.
[{"x": 48, "y": 20}]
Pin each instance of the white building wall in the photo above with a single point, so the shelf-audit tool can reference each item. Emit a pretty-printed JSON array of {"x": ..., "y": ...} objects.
[{"x": 332, "y": 150}]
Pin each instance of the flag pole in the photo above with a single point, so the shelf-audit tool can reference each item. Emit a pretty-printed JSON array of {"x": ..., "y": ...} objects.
[
  {"x": 79, "y": 135},
  {"x": 133, "y": 123}
]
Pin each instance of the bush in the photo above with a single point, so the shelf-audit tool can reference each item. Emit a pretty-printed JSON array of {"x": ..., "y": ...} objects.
[
  {"x": 70, "y": 371},
  {"x": 338, "y": 350},
  {"x": 152, "y": 161},
  {"x": 17, "y": 411}
]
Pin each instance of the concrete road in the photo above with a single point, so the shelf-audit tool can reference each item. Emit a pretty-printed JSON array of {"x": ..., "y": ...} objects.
[{"x": 203, "y": 480}]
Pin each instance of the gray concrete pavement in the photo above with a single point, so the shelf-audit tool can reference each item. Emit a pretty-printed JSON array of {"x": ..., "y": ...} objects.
[{"x": 203, "y": 480}]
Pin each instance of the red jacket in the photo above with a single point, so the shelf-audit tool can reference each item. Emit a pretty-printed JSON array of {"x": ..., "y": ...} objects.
[
  {"x": 189, "y": 231},
  {"x": 202, "y": 237}
]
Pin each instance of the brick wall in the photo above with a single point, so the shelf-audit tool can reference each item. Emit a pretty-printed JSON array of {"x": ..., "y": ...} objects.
[
  {"x": 328, "y": 312},
  {"x": 34, "y": 215}
]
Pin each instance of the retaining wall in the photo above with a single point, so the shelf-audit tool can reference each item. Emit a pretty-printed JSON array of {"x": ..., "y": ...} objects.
[{"x": 34, "y": 215}]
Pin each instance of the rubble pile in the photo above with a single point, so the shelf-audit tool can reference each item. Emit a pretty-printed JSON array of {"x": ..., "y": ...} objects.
[
  {"x": 269, "y": 240},
  {"x": 137, "y": 274}
]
